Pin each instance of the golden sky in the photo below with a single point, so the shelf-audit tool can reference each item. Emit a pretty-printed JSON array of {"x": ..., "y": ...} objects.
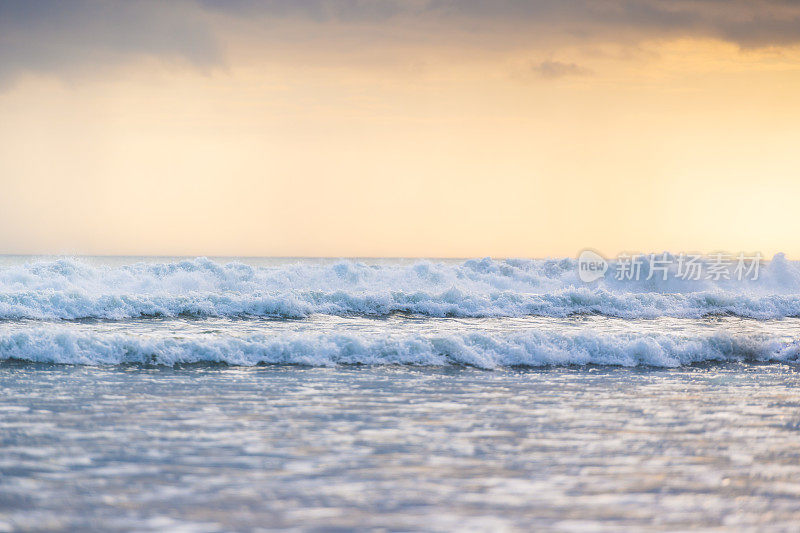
[{"x": 399, "y": 128}]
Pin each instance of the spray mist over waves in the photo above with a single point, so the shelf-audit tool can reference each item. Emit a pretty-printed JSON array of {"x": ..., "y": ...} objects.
[{"x": 75, "y": 289}]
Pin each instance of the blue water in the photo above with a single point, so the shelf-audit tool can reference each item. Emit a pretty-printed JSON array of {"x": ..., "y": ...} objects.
[
  {"x": 158, "y": 394},
  {"x": 403, "y": 448}
]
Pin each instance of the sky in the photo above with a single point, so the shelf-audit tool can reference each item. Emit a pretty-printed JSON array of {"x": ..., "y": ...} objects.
[{"x": 432, "y": 128}]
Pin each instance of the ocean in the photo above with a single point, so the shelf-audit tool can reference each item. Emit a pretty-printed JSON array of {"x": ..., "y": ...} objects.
[{"x": 240, "y": 394}]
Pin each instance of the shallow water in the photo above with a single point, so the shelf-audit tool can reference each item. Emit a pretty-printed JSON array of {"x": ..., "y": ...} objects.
[{"x": 215, "y": 448}]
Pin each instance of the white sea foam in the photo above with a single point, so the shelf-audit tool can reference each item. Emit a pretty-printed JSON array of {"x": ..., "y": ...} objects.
[
  {"x": 75, "y": 289},
  {"x": 479, "y": 349}
]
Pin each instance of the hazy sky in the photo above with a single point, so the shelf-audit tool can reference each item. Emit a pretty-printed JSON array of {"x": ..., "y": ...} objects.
[{"x": 399, "y": 128}]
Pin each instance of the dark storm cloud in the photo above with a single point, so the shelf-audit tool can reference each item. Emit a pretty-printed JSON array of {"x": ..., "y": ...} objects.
[{"x": 55, "y": 35}]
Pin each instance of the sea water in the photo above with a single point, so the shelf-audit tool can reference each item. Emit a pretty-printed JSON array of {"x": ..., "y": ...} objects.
[{"x": 236, "y": 394}]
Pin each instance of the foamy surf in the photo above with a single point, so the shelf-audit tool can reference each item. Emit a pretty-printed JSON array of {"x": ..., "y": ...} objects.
[
  {"x": 69, "y": 289},
  {"x": 480, "y": 313},
  {"x": 476, "y": 349}
]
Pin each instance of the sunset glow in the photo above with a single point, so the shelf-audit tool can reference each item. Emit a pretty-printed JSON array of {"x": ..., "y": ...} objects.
[{"x": 398, "y": 130}]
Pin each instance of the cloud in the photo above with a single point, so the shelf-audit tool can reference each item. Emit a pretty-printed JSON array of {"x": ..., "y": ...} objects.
[
  {"x": 557, "y": 69},
  {"x": 55, "y": 36},
  {"x": 745, "y": 22}
]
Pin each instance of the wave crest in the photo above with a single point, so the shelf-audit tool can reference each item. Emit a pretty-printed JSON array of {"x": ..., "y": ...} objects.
[
  {"x": 74, "y": 289},
  {"x": 482, "y": 350}
]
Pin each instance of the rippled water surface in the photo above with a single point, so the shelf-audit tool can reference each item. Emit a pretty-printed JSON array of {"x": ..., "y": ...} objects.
[{"x": 214, "y": 448}]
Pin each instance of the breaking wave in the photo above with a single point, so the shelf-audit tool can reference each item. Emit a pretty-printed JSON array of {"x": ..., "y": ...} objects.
[
  {"x": 73, "y": 289},
  {"x": 482, "y": 350}
]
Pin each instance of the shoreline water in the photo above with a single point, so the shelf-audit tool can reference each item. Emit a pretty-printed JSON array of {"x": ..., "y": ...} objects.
[{"x": 220, "y": 449}]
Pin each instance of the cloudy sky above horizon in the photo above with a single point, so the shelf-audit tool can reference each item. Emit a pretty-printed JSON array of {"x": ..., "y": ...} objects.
[{"x": 399, "y": 128}]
